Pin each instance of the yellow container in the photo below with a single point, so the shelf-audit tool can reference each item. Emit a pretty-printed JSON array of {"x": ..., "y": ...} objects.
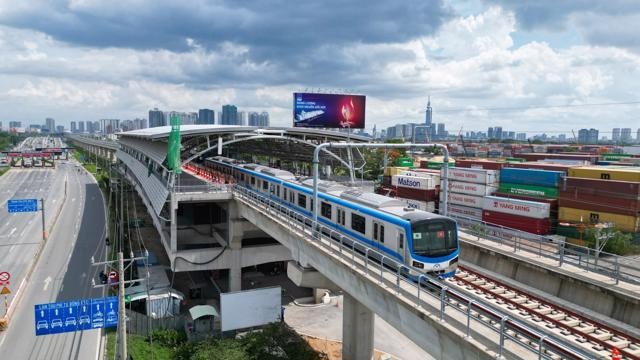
[
  {"x": 622, "y": 222},
  {"x": 622, "y": 173},
  {"x": 394, "y": 170}
]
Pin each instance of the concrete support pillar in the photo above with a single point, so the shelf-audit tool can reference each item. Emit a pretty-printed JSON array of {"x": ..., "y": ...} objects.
[
  {"x": 174, "y": 223},
  {"x": 357, "y": 330},
  {"x": 236, "y": 232}
]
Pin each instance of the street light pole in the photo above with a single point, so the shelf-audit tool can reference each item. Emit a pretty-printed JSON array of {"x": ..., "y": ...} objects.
[{"x": 324, "y": 146}]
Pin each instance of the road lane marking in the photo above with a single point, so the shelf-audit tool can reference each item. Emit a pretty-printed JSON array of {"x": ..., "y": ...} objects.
[{"x": 47, "y": 281}]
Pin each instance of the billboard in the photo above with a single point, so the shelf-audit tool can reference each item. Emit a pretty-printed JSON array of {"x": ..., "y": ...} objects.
[
  {"x": 249, "y": 308},
  {"x": 328, "y": 110}
]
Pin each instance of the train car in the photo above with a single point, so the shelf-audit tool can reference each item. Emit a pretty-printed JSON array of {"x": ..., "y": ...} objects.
[{"x": 424, "y": 242}]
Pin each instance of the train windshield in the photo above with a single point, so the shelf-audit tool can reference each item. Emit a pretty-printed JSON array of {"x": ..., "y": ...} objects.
[{"x": 434, "y": 238}]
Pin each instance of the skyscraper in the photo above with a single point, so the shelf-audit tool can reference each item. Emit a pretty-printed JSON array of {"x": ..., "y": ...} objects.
[
  {"x": 638, "y": 136},
  {"x": 258, "y": 119},
  {"x": 109, "y": 126},
  {"x": 429, "y": 113},
  {"x": 229, "y": 115},
  {"x": 490, "y": 133},
  {"x": 497, "y": 131},
  {"x": 442, "y": 133},
  {"x": 156, "y": 118},
  {"x": 15, "y": 124},
  {"x": 206, "y": 116},
  {"x": 81, "y": 126},
  {"x": 50, "y": 124},
  {"x": 615, "y": 136},
  {"x": 74, "y": 129},
  {"x": 625, "y": 135}
]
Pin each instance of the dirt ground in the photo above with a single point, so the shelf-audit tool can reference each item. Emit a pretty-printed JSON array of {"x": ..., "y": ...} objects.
[{"x": 333, "y": 349}]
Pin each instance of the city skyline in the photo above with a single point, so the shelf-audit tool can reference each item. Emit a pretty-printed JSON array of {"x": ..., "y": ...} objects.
[{"x": 483, "y": 63}]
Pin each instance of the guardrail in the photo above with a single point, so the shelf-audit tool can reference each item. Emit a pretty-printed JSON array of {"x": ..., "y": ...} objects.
[
  {"x": 538, "y": 342},
  {"x": 614, "y": 266},
  {"x": 203, "y": 188}
]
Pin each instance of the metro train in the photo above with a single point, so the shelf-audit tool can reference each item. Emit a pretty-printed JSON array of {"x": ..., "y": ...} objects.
[{"x": 423, "y": 241}]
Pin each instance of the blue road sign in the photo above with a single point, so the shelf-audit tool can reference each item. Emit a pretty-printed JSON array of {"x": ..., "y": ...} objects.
[
  {"x": 22, "y": 205},
  {"x": 70, "y": 316}
]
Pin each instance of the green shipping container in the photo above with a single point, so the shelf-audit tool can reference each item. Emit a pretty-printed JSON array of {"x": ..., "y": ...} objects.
[
  {"x": 529, "y": 190},
  {"x": 404, "y": 161},
  {"x": 517, "y": 160},
  {"x": 437, "y": 165},
  {"x": 614, "y": 157}
]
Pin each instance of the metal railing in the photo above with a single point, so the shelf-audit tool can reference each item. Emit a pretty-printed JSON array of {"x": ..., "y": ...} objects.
[
  {"x": 202, "y": 188},
  {"x": 537, "y": 341},
  {"x": 614, "y": 266}
]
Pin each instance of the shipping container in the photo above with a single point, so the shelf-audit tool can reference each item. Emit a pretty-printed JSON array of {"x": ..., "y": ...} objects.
[
  {"x": 394, "y": 170},
  {"x": 621, "y": 222},
  {"x": 553, "y": 203},
  {"x": 597, "y": 203},
  {"x": 404, "y": 161},
  {"x": 478, "y": 176},
  {"x": 413, "y": 182},
  {"x": 434, "y": 164},
  {"x": 540, "y": 165},
  {"x": 532, "y": 209},
  {"x": 515, "y": 160},
  {"x": 480, "y": 164},
  {"x": 416, "y": 194},
  {"x": 607, "y": 173},
  {"x": 614, "y": 157},
  {"x": 530, "y": 225},
  {"x": 461, "y": 199},
  {"x": 471, "y": 188},
  {"x": 543, "y": 156},
  {"x": 419, "y": 205},
  {"x": 423, "y": 173},
  {"x": 464, "y": 211},
  {"x": 529, "y": 190},
  {"x": 530, "y": 177}
]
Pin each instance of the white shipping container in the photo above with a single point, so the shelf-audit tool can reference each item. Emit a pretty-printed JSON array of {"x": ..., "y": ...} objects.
[
  {"x": 478, "y": 176},
  {"x": 412, "y": 182},
  {"x": 419, "y": 205},
  {"x": 465, "y": 211},
  {"x": 532, "y": 209},
  {"x": 422, "y": 174},
  {"x": 462, "y": 199},
  {"x": 471, "y": 188}
]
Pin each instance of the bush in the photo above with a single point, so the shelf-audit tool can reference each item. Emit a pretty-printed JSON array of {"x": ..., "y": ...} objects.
[{"x": 169, "y": 337}]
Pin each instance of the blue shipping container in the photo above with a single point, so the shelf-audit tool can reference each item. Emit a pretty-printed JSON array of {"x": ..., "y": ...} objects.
[
  {"x": 531, "y": 177},
  {"x": 605, "y": 163}
]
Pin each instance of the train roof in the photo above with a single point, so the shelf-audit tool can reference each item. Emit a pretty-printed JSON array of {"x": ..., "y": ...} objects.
[
  {"x": 326, "y": 186},
  {"x": 280, "y": 174},
  {"x": 370, "y": 199}
]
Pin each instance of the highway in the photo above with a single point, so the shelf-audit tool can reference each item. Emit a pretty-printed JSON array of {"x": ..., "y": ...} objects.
[{"x": 63, "y": 271}]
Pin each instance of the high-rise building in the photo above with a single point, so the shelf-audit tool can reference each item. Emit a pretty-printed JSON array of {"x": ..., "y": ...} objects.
[
  {"x": 638, "y": 136},
  {"x": 59, "y": 129},
  {"x": 81, "y": 127},
  {"x": 615, "y": 136},
  {"x": 74, "y": 129},
  {"x": 50, "y": 124},
  {"x": 206, "y": 116},
  {"x": 109, "y": 126},
  {"x": 511, "y": 135},
  {"x": 562, "y": 137},
  {"x": 429, "y": 113},
  {"x": 15, "y": 124},
  {"x": 625, "y": 135},
  {"x": 521, "y": 136},
  {"x": 258, "y": 119},
  {"x": 442, "y": 133},
  {"x": 589, "y": 136},
  {"x": 497, "y": 132},
  {"x": 156, "y": 118},
  {"x": 229, "y": 115}
]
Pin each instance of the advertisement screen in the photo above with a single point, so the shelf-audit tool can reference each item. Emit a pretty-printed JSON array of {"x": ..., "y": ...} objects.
[{"x": 328, "y": 110}]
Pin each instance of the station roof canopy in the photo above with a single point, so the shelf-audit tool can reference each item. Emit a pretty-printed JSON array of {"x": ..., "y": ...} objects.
[{"x": 295, "y": 144}]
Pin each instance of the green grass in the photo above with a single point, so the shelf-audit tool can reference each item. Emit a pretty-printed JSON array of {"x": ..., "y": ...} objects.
[
  {"x": 138, "y": 347},
  {"x": 3, "y": 170}
]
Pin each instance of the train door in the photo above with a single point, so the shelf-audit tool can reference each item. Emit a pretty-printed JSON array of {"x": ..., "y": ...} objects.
[{"x": 378, "y": 233}]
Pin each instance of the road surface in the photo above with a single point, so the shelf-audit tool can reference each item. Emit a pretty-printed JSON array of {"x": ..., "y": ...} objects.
[{"x": 63, "y": 271}]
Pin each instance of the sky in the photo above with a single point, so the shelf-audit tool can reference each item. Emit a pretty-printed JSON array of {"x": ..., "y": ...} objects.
[{"x": 528, "y": 65}]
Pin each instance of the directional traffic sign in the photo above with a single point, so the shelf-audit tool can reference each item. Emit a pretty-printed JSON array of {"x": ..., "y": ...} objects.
[
  {"x": 55, "y": 318},
  {"x": 22, "y": 205}
]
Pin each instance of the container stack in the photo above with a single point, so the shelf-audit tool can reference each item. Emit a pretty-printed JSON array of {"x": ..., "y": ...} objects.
[
  {"x": 419, "y": 190},
  {"x": 602, "y": 194},
  {"x": 529, "y": 216},
  {"x": 467, "y": 189}
]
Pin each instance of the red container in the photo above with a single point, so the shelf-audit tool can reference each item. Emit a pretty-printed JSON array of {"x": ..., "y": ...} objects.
[
  {"x": 530, "y": 225},
  {"x": 416, "y": 194},
  {"x": 598, "y": 187},
  {"x": 541, "y": 156},
  {"x": 386, "y": 180},
  {"x": 480, "y": 164},
  {"x": 553, "y": 203},
  {"x": 539, "y": 166}
]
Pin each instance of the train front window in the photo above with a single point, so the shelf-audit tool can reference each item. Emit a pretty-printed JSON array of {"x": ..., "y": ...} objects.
[{"x": 434, "y": 238}]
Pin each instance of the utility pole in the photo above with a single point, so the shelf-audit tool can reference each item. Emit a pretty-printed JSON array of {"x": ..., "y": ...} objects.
[
  {"x": 44, "y": 228},
  {"x": 122, "y": 322}
]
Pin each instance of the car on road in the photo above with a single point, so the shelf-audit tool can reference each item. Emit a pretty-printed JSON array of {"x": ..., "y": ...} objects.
[
  {"x": 84, "y": 319},
  {"x": 42, "y": 324},
  {"x": 70, "y": 321},
  {"x": 56, "y": 323}
]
